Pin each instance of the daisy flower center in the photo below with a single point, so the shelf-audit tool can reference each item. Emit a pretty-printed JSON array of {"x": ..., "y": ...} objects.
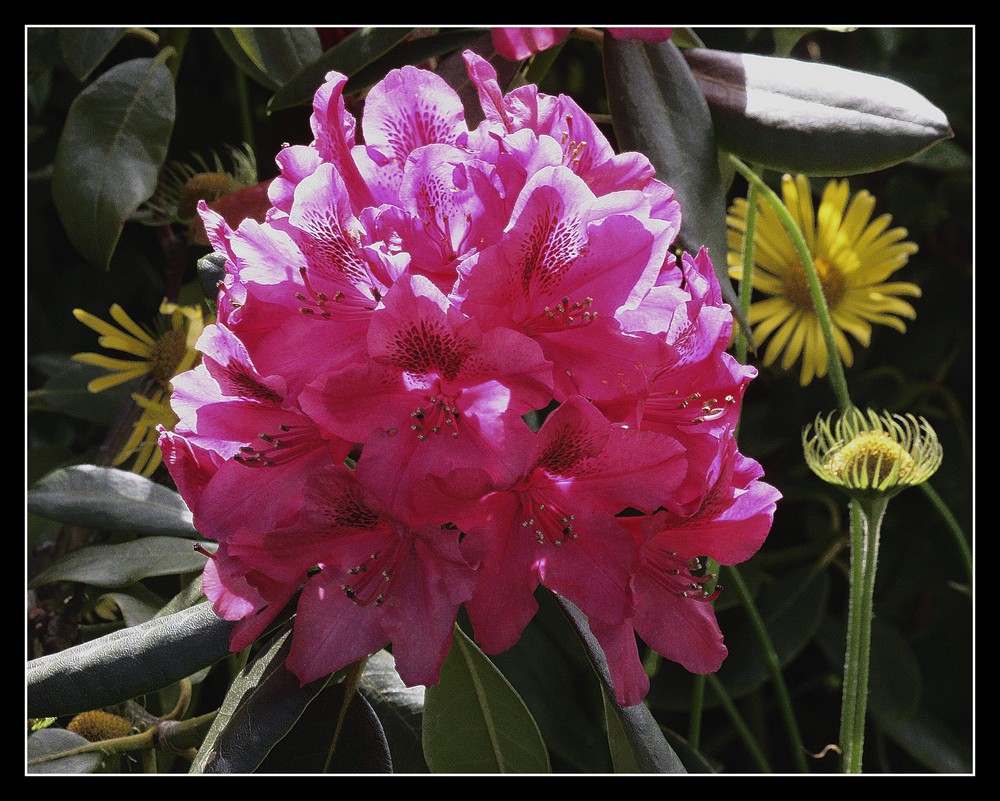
[
  {"x": 873, "y": 454},
  {"x": 830, "y": 278},
  {"x": 166, "y": 354}
]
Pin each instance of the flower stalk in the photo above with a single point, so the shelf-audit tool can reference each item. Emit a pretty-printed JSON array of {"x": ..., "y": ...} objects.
[{"x": 835, "y": 369}]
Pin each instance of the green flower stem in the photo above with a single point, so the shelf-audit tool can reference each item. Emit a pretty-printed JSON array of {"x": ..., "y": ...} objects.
[
  {"x": 697, "y": 708},
  {"x": 774, "y": 666},
  {"x": 739, "y": 724},
  {"x": 953, "y": 527},
  {"x": 746, "y": 281},
  {"x": 864, "y": 560},
  {"x": 835, "y": 369}
]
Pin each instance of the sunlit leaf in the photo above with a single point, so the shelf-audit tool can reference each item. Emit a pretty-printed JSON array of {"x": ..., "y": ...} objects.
[
  {"x": 399, "y": 708},
  {"x": 813, "y": 118},
  {"x": 110, "y": 153},
  {"x": 125, "y": 563},
  {"x": 127, "y": 663},
  {"x": 107, "y": 498},
  {"x": 474, "y": 721},
  {"x": 262, "y": 704},
  {"x": 49, "y": 743}
]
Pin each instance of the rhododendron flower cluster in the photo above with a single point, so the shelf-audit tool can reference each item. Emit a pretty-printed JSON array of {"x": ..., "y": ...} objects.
[{"x": 456, "y": 363}]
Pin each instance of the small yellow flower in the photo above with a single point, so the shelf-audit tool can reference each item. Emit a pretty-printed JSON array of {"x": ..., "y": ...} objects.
[
  {"x": 163, "y": 354},
  {"x": 853, "y": 256},
  {"x": 868, "y": 453}
]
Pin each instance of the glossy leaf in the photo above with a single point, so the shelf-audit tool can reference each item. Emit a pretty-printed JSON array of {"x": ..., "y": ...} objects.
[
  {"x": 110, "y": 153},
  {"x": 929, "y": 742},
  {"x": 400, "y": 710},
  {"x": 65, "y": 391},
  {"x": 127, "y": 663},
  {"x": 50, "y": 742},
  {"x": 125, "y": 563},
  {"x": 636, "y": 741},
  {"x": 658, "y": 109},
  {"x": 107, "y": 498},
  {"x": 279, "y": 53},
  {"x": 355, "y": 52},
  {"x": 231, "y": 45},
  {"x": 83, "y": 49},
  {"x": 813, "y": 118},
  {"x": 475, "y": 722},
  {"x": 263, "y": 703}
]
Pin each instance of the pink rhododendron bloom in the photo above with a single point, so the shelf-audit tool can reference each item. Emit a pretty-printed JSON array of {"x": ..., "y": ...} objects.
[
  {"x": 357, "y": 434},
  {"x": 672, "y": 610},
  {"x": 520, "y": 43}
]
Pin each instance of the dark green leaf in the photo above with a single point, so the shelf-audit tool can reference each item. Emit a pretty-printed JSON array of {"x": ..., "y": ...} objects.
[
  {"x": 261, "y": 706},
  {"x": 134, "y": 611},
  {"x": 66, "y": 390},
  {"x": 349, "y": 56},
  {"x": 412, "y": 51},
  {"x": 231, "y": 45},
  {"x": 110, "y": 153},
  {"x": 49, "y": 742},
  {"x": 813, "y": 118},
  {"x": 399, "y": 708},
  {"x": 127, "y": 663},
  {"x": 107, "y": 498},
  {"x": 474, "y": 721},
  {"x": 279, "y": 53},
  {"x": 551, "y": 672},
  {"x": 83, "y": 49},
  {"x": 658, "y": 109},
  {"x": 123, "y": 564},
  {"x": 929, "y": 742},
  {"x": 636, "y": 741},
  {"x": 792, "y": 610},
  {"x": 361, "y": 744}
]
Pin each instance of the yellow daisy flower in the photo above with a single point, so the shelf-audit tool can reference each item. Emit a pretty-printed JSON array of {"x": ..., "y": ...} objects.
[
  {"x": 163, "y": 354},
  {"x": 853, "y": 256}
]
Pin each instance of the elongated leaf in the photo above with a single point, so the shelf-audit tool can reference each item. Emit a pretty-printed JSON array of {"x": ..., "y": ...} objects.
[
  {"x": 929, "y": 742},
  {"x": 107, "y": 498},
  {"x": 260, "y": 708},
  {"x": 813, "y": 118},
  {"x": 361, "y": 744},
  {"x": 84, "y": 49},
  {"x": 551, "y": 672},
  {"x": 636, "y": 741},
  {"x": 231, "y": 45},
  {"x": 122, "y": 564},
  {"x": 126, "y": 663},
  {"x": 46, "y": 744},
  {"x": 658, "y": 109},
  {"x": 110, "y": 153},
  {"x": 349, "y": 56},
  {"x": 279, "y": 53},
  {"x": 399, "y": 708},
  {"x": 474, "y": 721},
  {"x": 66, "y": 391}
]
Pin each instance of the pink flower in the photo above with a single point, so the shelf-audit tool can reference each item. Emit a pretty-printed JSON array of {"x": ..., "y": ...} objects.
[
  {"x": 554, "y": 523},
  {"x": 385, "y": 577},
  {"x": 672, "y": 610},
  {"x": 356, "y": 433},
  {"x": 521, "y": 43}
]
